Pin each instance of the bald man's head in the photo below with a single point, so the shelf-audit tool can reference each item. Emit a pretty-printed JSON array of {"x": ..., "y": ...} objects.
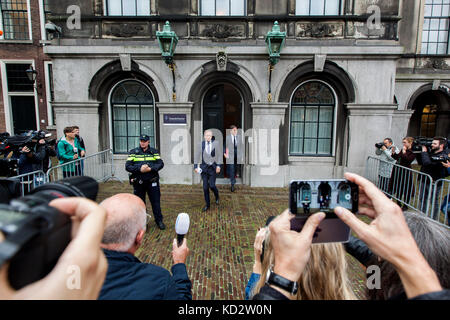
[{"x": 126, "y": 217}]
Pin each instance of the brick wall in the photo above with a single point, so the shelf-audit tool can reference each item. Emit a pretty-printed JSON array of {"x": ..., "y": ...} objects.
[{"x": 28, "y": 51}]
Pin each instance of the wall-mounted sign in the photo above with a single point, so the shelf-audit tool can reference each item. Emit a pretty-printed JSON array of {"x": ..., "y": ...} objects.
[{"x": 175, "y": 119}]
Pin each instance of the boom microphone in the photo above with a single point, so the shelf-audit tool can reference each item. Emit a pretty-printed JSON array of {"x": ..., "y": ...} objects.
[{"x": 182, "y": 227}]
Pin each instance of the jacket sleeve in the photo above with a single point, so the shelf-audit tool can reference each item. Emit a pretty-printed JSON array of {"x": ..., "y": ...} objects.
[
  {"x": 131, "y": 166},
  {"x": 359, "y": 250},
  {"x": 63, "y": 154},
  {"x": 158, "y": 164},
  {"x": 39, "y": 155},
  {"x": 254, "y": 278},
  {"x": 426, "y": 161},
  {"x": 198, "y": 158},
  {"x": 388, "y": 154},
  {"x": 180, "y": 287}
]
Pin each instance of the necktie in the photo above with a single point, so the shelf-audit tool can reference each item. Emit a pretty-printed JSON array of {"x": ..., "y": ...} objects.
[{"x": 234, "y": 141}]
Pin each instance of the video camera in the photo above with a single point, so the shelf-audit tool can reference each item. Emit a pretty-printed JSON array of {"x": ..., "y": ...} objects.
[
  {"x": 419, "y": 142},
  {"x": 36, "y": 234},
  {"x": 11, "y": 148},
  {"x": 379, "y": 145}
]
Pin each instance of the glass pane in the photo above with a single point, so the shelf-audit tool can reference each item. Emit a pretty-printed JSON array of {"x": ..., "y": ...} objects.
[
  {"x": 143, "y": 7},
  {"x": 442, "y": 48},
  {"x": 310, "y": 146},
  {"x": 129, "y": 7},
  {"x": 326, "y": 114},
  {"x": 324, "y": 146},
  {"x": 222, "y": 7},
  {"x": 238, "y": 8},
  {"x": 302, "y": 7},
  {"x": 434, "y": 24},
  {"x": 311, "y": 130},
  {"x": 317, "y": 7},
  {"x": 325, "y": 130},
  {"x": 432, "y": 48},
  {"x": 443, "y": 25},
  {"x": 120, "y": 144},
  {"x": 119, "y": 113},
  {"x": 445, "y": 10},
  {"x": 133, "y": 128},
  {"x": 115, "y": 7},
  {"x": 296, "y": 145},
  {"x": 120, "y": 128},
  {"x": 133, "y": 142},
  {"x": 147, "y": 128},
  {"x": 443, "y": 35},
  {"x": 428, "y": 10},
  {"x": 297, "y": 130},
  {"x": 332, "y": 7},
  {"x": 312, "y": 114},
  {"x": 146, "y": 113},
  {"x": 437, "y": 10},
  {"x": 207, "y": 8},
  {"x": 426, "y": 24},
  {"x": 433, "y": 36},
  {"x": 298, "y": 114},
  {"x": 133, "y": 113}
]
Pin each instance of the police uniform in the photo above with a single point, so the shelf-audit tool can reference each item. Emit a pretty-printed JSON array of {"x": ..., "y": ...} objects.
[{"x": 147, "y": 182}]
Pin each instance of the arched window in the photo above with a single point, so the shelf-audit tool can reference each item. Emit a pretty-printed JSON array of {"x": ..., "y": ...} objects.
[
  {"x": 133, "y": 114},
  {"x": 312, "y": 120}
]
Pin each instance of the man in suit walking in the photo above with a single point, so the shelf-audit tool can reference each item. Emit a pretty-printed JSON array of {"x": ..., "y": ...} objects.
[
  {"x": 233, "y": 154},
  {"x": 209, "y": 167}
]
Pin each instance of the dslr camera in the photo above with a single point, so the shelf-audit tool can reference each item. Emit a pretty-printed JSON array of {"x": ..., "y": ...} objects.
[
  {"x": 379, "y": 145},
  {"x": 440, "y": 158},
  {"x": 36, "y": 234},
  {"x": 421, "y": 141}
]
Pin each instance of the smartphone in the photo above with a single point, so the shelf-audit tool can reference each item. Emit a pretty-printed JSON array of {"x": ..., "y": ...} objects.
[{"x": 307, "y": 197}]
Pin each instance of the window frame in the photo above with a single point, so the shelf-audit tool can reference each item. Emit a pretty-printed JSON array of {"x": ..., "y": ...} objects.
[
  {"x": 333, "y": 122},
  {"x": 106, "y": 10},
  {"x": 29, "y": 23},
  {"x": 7, "y": 94},
  {"x": 341, "y": 9},
  {"x": 215, "y": 10},
  {"x": 429, "y": 30},
  {"x": 111, "y": 116}
]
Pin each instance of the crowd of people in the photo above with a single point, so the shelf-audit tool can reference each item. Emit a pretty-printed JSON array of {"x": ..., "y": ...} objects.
[
  {"x": 411, "y": 250},
  {"x": 400, "y": 183}
]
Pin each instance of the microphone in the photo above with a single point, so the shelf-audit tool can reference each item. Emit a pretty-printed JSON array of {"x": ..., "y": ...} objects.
[{"x": 181, "y": 227}]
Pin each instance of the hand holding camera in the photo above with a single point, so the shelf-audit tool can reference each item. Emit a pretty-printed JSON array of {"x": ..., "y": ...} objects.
[{"x": 83, "y": 252}]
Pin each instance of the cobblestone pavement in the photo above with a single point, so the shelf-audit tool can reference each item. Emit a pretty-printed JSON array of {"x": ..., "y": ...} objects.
[{"x": 221, "y": 240}]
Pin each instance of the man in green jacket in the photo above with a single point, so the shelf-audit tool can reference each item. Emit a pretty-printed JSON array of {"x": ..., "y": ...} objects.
[{"x": 69, "y": 149}]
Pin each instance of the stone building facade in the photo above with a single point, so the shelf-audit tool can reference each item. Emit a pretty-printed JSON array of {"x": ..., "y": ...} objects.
[{"x": 352, "y": 73}]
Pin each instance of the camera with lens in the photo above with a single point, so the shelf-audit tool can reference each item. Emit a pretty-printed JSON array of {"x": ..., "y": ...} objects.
[
  {"x": 35, "y": 233},
  {"x": 440, "y": 158},
  {"x": 421, "y": 141},
  {"x": 379, "y": 145}
]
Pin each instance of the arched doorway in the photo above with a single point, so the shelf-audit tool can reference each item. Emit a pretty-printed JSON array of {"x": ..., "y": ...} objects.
[
  {"x": 222, "y": 107},
  {"x": 431, "y": 115}
]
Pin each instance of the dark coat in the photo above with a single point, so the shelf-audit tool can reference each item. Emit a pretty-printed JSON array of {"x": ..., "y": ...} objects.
[
  {"x": 130, "y": 279},
  {"x": 138, "y": 157}
]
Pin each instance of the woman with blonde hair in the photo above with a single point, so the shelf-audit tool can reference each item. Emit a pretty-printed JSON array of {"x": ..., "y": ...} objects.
[{"x": 324, "y": 278}]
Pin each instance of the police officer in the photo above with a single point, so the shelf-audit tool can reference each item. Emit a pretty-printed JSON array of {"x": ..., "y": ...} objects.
[{"x": 144, "y": 164}]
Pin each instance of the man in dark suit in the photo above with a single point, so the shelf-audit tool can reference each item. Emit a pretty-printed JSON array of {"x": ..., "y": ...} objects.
[
  {"x": 233, "y": 154},
  {"x": 209, "y": 167}
]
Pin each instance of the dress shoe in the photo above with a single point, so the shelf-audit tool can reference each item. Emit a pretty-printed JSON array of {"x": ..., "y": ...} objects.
[
  {"x": 232, "y": 188},
  {"x": 205, "y": 209},
  {"x": 161, "y": 225}
]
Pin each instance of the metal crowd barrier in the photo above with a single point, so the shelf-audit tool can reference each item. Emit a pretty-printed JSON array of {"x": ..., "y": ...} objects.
[
  {"x": 441, "y": 203},
  {"x": 410, "y": 188},
  {"x": 31, "y": 180},
  {"x": 99, "y": 166}
]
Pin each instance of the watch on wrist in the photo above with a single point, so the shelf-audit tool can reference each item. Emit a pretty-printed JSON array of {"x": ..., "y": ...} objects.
[{"x": 278, "y": 281}]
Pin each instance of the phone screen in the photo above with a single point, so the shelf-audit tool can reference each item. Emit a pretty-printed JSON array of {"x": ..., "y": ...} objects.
[{"x": 307, "y": 197}]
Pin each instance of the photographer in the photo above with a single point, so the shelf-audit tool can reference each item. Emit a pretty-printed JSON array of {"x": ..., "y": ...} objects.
[
  {"x": 32, "y": 160},
  {"x": 88, "y": 222},
  {"x": 385, "y": 151},
  {"x": 433, "y": 163}
]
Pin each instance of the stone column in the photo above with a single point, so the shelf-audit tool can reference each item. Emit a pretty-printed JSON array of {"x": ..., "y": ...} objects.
[
  {"x": 400, "y": 123},
  {"x": 175, "y": 142},
  {"x": 82, "y": 114},
  {"x": 265, "y": 146},
  {"x": 368, "y": 124}
]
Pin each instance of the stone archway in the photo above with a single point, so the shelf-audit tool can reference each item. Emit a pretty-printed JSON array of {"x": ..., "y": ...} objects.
[{"x": 100, "y": 88}]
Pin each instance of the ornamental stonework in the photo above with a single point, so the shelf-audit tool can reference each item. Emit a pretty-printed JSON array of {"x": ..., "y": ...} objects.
[{"x": 319, "y": 30}]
